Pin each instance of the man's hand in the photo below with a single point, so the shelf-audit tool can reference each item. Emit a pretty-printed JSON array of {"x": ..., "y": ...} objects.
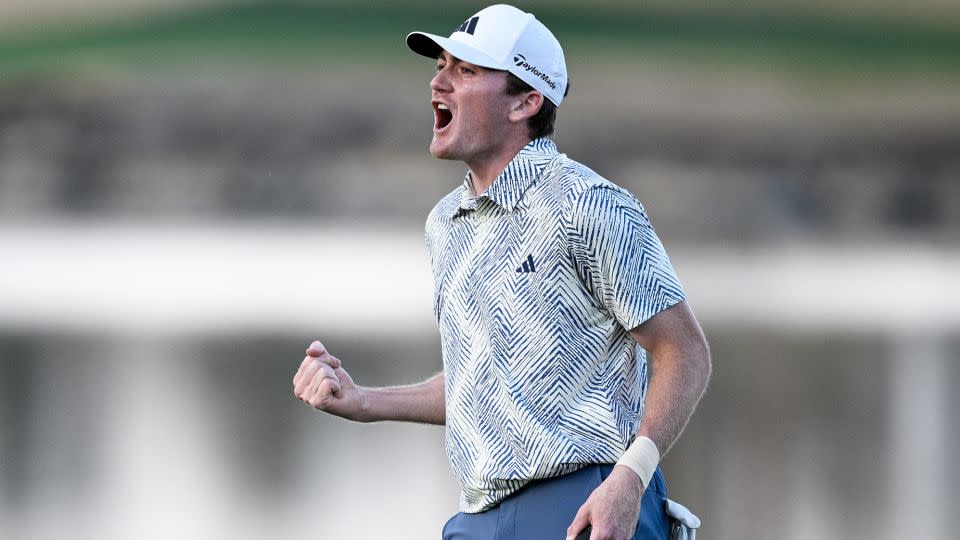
[
  {"x": 322, "y": 382},
  {"x": 612, "y": 509}
]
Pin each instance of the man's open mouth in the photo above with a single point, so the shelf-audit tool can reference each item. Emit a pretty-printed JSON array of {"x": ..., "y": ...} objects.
[{"x": 441, "y": 116}]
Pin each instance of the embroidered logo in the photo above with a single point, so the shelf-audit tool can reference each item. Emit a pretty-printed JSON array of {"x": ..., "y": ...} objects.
[
  {"x": 469, "y": 25},
  {"x": 520, "y": 61},
  {"x": 527, "y": 266}
]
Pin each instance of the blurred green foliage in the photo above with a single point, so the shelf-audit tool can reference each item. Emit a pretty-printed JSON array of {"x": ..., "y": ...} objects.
[{"x": 299, "y": 34}]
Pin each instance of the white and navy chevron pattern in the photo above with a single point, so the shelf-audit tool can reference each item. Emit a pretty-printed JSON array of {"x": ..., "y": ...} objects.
[{"x": 536, "y": 284}]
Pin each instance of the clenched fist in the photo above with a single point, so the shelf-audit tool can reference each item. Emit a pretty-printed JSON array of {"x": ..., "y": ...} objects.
[{"x": 322, "y": 382}]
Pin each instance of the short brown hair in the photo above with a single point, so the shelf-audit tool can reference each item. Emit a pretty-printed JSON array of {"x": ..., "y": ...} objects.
[{"x": 540, "y": 124}]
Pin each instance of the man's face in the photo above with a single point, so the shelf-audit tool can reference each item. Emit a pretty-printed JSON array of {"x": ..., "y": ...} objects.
[{"x": 470, "y": 107}]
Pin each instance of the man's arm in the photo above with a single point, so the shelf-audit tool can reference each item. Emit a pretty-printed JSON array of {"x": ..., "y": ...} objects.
[
  {"x": 422, "y": 402},
  {"x": 322, "y": 383},
  {"x": 679, "y": 364}
]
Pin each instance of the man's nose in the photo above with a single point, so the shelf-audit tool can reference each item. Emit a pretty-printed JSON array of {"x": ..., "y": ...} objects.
[{"x": 440, "y": 81}]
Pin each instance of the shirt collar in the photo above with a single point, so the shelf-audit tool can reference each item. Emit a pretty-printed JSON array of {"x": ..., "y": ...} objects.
[{"x": 513, "y": 182}]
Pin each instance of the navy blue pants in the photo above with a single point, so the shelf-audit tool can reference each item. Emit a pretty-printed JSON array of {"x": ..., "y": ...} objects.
[{"x": 543, "y": 509}]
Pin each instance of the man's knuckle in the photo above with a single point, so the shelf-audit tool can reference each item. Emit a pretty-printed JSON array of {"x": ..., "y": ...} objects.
[
  {"x": 602, "y": 531},
  {"x": 321, "y": 401}
]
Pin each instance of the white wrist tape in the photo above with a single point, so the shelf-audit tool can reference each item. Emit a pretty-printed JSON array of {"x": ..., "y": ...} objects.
[{"x": 642, "y": 456}]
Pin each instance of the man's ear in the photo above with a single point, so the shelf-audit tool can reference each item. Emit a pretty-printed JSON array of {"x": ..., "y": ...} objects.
[{"x": 525, "y": 106}]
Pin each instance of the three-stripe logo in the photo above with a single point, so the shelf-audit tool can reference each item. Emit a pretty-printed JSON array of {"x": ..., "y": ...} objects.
[
  {"x": 527, "y": 266},
  {"x": 469, "y": 25}
]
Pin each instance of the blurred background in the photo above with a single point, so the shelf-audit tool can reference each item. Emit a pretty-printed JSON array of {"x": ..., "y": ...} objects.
[{"x": 192, "y": 191}]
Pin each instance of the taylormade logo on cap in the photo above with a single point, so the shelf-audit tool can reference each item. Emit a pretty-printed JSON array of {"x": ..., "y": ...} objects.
[
  {"x": 505, "y": 38},
  {"x": 522, "y": 62}
]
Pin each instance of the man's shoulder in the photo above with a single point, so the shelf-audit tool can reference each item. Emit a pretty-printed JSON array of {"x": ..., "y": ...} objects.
[{"x": 575, "y": 182}]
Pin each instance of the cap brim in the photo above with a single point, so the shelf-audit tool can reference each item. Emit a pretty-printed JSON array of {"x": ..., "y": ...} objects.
[{"x": 431, "y": 45}]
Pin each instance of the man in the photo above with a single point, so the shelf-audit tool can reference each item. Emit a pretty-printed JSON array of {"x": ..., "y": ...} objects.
[{"x": 551, "y": 287}]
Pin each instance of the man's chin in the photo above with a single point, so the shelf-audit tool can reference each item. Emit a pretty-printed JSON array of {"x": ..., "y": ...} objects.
[{"x": 440, "y": 151}]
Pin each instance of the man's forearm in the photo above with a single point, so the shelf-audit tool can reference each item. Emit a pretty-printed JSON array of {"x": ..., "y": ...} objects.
[
  {"x": 678, "y": 378},
  {"x": 679, "y": 364},
  {"x": 423, "y": 402}
]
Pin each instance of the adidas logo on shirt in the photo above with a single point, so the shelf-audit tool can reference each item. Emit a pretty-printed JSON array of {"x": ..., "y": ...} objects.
[{"x": 527, "y": 266}]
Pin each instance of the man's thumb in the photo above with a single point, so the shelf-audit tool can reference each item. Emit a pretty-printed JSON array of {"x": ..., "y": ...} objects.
[{"x": 315, "y": 349}]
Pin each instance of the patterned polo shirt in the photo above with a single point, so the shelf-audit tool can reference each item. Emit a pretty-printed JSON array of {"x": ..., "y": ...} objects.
[{"x": 537, "y": 283}]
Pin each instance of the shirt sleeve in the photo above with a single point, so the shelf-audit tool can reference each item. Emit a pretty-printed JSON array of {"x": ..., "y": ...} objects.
[{"x": 619, "y": 257}]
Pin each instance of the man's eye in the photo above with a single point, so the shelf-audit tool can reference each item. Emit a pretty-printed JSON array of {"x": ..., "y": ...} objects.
[
  {"x": 439, "y": 67},
  {"x": 466, "y": 70}
]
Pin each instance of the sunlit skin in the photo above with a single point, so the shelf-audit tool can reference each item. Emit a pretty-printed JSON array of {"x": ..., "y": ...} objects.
[{"x": 488, "y": 127}]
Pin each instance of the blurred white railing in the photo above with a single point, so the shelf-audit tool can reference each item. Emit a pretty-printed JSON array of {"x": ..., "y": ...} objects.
[{"x": 201, "y": 278}]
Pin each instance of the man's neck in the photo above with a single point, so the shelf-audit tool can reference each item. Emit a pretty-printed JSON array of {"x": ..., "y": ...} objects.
[{"x": 485, "y": 172}]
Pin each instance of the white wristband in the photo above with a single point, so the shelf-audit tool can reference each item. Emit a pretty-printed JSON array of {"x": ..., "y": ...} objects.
[{"x": 642, "y": 456}]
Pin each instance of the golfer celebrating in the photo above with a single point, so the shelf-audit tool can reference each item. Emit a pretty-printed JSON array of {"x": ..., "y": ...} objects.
[{"x": 553, "y": 294}]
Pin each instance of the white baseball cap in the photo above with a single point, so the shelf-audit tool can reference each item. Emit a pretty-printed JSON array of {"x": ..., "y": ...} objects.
[{"x": 505, "y": 38}]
